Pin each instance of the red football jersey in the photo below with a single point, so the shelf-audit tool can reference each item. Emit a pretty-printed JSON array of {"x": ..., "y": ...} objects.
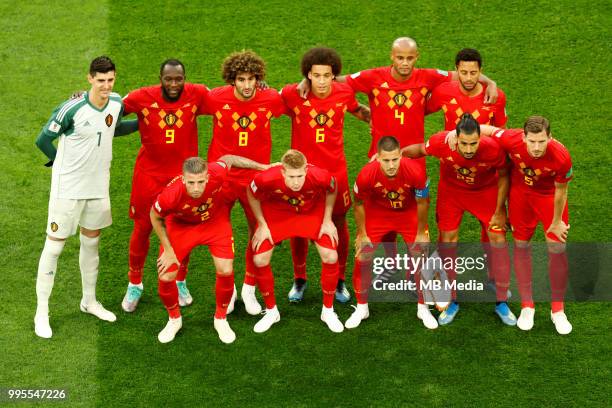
[
  {"x": 168, "y": 130},
  {"x": 317, "y": 125},
  {"x": 455, "y": 103},
  {"x": 473, "y": 174},
  {"x": 175, "y": 203},
  {"x": 269, "y": 187},
  {"x": 380, "y": 192},
  {"x": 398, "y": 108},
  {"x": 243, "y": 127},
  {"x": 540, "y": 174}
]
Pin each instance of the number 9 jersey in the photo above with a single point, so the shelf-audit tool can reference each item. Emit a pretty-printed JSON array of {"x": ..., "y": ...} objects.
[{"x": 168, "y": 129}]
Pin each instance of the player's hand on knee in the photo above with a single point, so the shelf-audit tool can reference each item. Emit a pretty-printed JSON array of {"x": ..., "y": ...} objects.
[
  {"x": 559, "y": 229},
  {"x": 261, "y": 234},
  {"x": 328, "y": 228},
  {"x": 166, "y": 260},
  {"x": 498, "y": 221}
]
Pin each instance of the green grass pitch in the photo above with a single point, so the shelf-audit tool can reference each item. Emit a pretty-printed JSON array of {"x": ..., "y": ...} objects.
[{"x": 550, "y": 57}]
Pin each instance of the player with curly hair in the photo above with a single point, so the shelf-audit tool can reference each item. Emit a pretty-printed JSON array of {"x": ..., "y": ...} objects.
[{"x": 241, "y": 126}]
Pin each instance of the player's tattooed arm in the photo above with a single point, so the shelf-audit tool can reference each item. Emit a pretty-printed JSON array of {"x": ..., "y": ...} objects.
[
  {"x": 168, "y": 258},
  {"x": 362, "y": 113},
  {"x": 262, "y": 232},
  {"x": 361, "y": 240},
  {"x": 327, "y": 226},
  {"x": 499, "y": 218},
  {"x": 243, "y": 163},
  {"x": 414, "y": 151},
  {"x": 558, "y": 227},
  {"x": 45, "y": 143}
]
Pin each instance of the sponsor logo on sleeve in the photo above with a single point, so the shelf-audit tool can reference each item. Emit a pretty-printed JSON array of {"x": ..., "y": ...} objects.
[
  {"x": 570, "y": 172},
  {"x": 157, "y": 206},
  {"x": 253, "y": 186},
  {"x": 356, "y": 75},
  {"x": 442, "y": 72}
]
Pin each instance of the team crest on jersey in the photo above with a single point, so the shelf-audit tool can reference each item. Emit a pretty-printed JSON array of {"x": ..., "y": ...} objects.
[
  {"x": 108, "y": 120},
  {"x": 393, "y": 195},
  {"x": 529, "y": 172},
  {"x": 399, "y": 99},
  {"x": 294, "y": 201},
  {"x": 463, "y": 171},
  {"x": 54, "y": 227},
  {"x": 202, "y": 208},
  {"x": 321, "y": 119},
  {"x": 244, "y": 121},
  {"x": 170, "y": 119}
]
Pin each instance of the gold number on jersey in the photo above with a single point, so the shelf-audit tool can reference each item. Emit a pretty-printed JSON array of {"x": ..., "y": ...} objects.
[
  {"x": 169, "y": 136},
  {"x": 396, "y": 204},
  {"x": 320, "y": 135},
  {"x": 243, "y": 138},
  {"x": 347, "y": 198},
  {"x": 399, "y": 115},
  {"x": 528, "y": 181}
]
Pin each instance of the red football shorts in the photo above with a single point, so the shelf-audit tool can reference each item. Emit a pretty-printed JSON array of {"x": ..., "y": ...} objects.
[
  {"x": 284, "y": 225},
  {"x": 343, "y": 199},
  {"x": 235, "y": 189},
  {"x": 382, "y": 221},
  {"x": 527, "y": 208},
  {"x": 145, "y": 189},
  {"x": 216, "y": 233},
  {"x": 452, "y": 202}
]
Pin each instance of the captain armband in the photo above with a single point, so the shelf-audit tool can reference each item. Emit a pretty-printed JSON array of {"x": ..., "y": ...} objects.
[{"x": 422, "y": 192}]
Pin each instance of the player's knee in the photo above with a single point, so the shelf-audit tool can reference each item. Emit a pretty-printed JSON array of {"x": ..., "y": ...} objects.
[
  {"x": 261, "y": 260},
  {"x": 521, "y": 244},
  {"x": 555, "y": 247},
  {"x": 88, "y": 242},
  {"x": 90, "y": 233},
  {"x": 329, "y": 256},
  {"x": 449, "y": 236},
  {"x": 54, "y": 246},
  {"x": 497, "y": 239},
  {"x": 168, "y": 276},
  {"x": 365, "y": 257}
]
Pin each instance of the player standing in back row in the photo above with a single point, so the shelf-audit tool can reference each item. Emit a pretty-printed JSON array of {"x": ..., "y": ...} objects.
[
  {"x": 241, "y": 126},
  {"x": 317, "y": 131},
  {"x": 80, "y": 181},
  {"x": 169, "y": 135}
]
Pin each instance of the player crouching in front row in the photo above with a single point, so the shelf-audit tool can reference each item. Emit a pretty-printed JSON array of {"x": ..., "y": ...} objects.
[
  {"x": 191, "y": 211},
  {"x": 391, "y": 195},
  {"x": 294, "y": 200}
]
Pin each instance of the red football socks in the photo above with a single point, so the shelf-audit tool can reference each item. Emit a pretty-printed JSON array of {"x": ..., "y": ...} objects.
[
  {"x": 139, "y": 247},
  {"x": 500, "y": 264},
  {"x": 250, "y": 273},
  {"x": 329, "y": 280},
  {"x": 362, "y": 279},
  {"x": 265, "y": 283},
  {"x": 299, "y": 253},
  {"x": 343, "y": 249},
  {"x": 523, "y": 272},
  {"x": 224, "y": 289}
]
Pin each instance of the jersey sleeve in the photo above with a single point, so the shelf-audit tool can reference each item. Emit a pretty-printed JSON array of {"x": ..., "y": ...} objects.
[
  {"x": 218, "y": 170},
  {"x": 418, "y": 178},
  {"x": 435, "y": 146},
  {"x": 204, "y": 103},
  {"x": 435, "y": 77},
  {"x": 361, "y": 81},
  {"x": 131, "y": 102},
  {"x": 434, "y": 101},
  {"x": 507, "y": 137},
  {"x": 259, "y": 185},
  {"x": 565, "y": 172},
  {"x": 499, "y": 115},
  {"x": 167, "y": 200},
  {"x": 288, "y": 94},
  {"x": 352, "y": 104},
  {"x": 361, "y": 188},
  {"x": 277, "y": 104},
  {"x": 59, "y": 122}
]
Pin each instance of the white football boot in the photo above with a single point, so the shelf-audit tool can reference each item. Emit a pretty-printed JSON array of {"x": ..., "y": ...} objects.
[
  {"x": 251, "y": 304},
  {"x": 562, "y": 325},
  {"x": 271, "y": 316},
  {"x": 99, "y": 311},
  {"x": 41, "y": 325},
  {"x": 225, "y": 332},
  {"x": 525, "y": 319},
  {"x": 331, "y": 319},
  {"x": 169, "y": 332},
  {"x": 424, "y": 314},
  {"x": 361, "y": 312}
]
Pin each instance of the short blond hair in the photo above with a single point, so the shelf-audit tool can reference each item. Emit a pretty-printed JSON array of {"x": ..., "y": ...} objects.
[
  {"x": 195, "y": 165},
  {"x": 293, "y": 159}
]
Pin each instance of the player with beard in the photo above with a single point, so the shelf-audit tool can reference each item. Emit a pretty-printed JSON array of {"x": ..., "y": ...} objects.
[
  {"x": 241, "y": 126},
  {"x": 317, "y": 130}
]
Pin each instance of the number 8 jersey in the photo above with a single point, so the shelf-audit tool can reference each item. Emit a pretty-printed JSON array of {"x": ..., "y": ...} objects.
[
  {"x": 81, "y": 169},
  {"x": 243, "y": 127}
]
